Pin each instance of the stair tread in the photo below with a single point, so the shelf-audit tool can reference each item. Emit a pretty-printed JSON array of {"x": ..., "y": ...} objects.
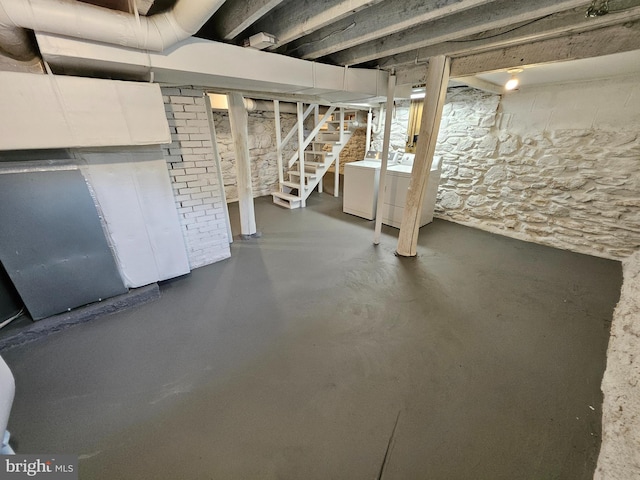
[
  {"x": 306, "y": 174},
  {"x": 286, "y": 196},
  {"x": 289, "y": 184},
  {"x": 286, "y": 204},
  {"x": 314, "y": 164},
  {"x": 318, "y": 152}
]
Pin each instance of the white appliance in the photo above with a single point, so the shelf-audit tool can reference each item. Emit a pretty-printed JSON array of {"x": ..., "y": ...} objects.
[
  {"x": 361, "y": 182},
  {"x": 360, "y": 193},
  {"x": 395, "y": 194}
]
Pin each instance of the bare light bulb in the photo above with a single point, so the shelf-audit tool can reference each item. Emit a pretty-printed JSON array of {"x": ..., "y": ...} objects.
[{"x": 512, "y": 84}]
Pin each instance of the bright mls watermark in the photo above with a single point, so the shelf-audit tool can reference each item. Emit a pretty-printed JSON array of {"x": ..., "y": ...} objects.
[{"x": 50, "y": 467}]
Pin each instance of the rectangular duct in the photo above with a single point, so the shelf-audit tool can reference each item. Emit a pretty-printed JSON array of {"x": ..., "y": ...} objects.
[{"x": 49, "y": 111}]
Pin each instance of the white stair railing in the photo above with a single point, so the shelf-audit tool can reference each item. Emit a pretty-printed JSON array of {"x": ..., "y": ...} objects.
[
  {"x": 298, "y": 178},
  {"x": 312, "y": 135},
  {"x": 276, "y": 113},
  {"x": 301, "y": 157}
]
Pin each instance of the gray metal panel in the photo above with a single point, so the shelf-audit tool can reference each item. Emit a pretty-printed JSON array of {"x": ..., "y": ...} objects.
[
  {"x": 52, "y": 243},
  {"x": 10, "y": 303}
]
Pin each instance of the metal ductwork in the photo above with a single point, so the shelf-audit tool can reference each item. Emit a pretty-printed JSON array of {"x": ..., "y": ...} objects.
[
  {"x": 267, "y": 106},
  {"x": 81, "y": 20}
]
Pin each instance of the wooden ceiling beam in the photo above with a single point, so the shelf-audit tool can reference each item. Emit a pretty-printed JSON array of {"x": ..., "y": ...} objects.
[
  {"x": 603, "y": 41},
  {"x": 376, "y": 22},
  {"x": 235, "y": 16},
  {"x": 559, "y": 24},
  {"x": 502, "y": 13},
  {"x": 303, "y": 17}
]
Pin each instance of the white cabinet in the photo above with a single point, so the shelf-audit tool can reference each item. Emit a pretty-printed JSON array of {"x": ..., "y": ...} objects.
[{"x": 360, "y": 192}]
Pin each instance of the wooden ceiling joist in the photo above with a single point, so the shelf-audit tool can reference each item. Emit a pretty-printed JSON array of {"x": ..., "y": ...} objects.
[
  {"x": 498, "y": 14},
  {"x": 604, "y": 41},
  {"x": 556, "y": 25},
  {"x": 373, "y": 23}
]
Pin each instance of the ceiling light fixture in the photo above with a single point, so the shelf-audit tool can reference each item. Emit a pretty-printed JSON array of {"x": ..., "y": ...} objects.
[
  {"x": 418, "y": 92},
  {"x": 260, "y": 41},
  {"x": 513, "y": 82}
]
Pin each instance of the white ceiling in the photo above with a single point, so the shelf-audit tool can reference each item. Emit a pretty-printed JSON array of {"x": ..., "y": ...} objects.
[{"x": 627, "y": 63}]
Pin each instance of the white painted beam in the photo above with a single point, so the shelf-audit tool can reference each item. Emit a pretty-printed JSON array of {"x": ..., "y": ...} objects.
[
  {"x": 306, "y": 16},
  {"x": 604, "y": 41},
  {"x": 234, "y": 17},
  {"x": 436, "y": 86},
  {"x": 495, "y": 15},
  {"x": 238, "y": 118},
  {"x": 376, "y": 22},
  {"x": 559, "y": 24}
]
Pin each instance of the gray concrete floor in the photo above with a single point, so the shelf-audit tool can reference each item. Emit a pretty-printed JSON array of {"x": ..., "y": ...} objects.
[{"x": 296, "y": 357}]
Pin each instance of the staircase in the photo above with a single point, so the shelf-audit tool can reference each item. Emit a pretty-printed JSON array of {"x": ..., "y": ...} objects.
[{"x": 301, "y": 174}]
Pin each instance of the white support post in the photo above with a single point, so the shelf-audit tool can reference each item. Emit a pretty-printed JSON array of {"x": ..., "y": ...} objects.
[
  {"x": 303, "y": 202},
  {"x": 316, "y": 121},
  {"x": 238, "y": 119},
  {"x": 276, "y": 116},
  {"x": 367, "y": 143},
  {"x": 216, "y": 158},
  {"x": 342, "y": 126},
  {"x": 436, "y": 85},
  {"x": 391, "y": 88},
  {"x": 336, "y": 178}
]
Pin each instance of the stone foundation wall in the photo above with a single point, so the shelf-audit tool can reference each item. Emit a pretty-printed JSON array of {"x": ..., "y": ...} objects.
[
  {"x": 354, "y": 150},
  {"x": 262, "y": 151},
  {"x": 537, "y": 166},
  {"x": 620, "y": 451},
  {"x": 399, "y": 125}
]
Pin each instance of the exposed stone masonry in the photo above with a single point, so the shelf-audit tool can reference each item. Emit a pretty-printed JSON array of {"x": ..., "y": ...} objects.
[
  {"x": 576, "y": 189},
  {"x": 262, "y": 151},
  {"x": 620, "y": 451}
]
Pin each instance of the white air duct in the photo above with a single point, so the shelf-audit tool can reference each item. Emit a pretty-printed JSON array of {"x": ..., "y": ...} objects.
[{"x": 81, "y": 20}]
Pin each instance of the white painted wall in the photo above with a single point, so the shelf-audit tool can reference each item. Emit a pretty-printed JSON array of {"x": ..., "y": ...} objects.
[
  {"x": 557, "y": 165},
  {"x": 605, "y": 105},
  {"x": 194, "y": 176},
  {"x": 134, "y": 197}
]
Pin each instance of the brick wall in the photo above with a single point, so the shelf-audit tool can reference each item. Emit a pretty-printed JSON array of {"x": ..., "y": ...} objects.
[{"x": 194, "y": 176}]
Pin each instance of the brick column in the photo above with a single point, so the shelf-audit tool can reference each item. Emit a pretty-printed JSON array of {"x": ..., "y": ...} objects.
[{"x": 194, "y": 177}]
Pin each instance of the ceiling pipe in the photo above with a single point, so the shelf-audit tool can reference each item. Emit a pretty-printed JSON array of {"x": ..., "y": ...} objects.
[
  {"x": 16, "y": 43},
  {"x": 267, "y": 106},
  {"x": 82, "y": 20}
]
